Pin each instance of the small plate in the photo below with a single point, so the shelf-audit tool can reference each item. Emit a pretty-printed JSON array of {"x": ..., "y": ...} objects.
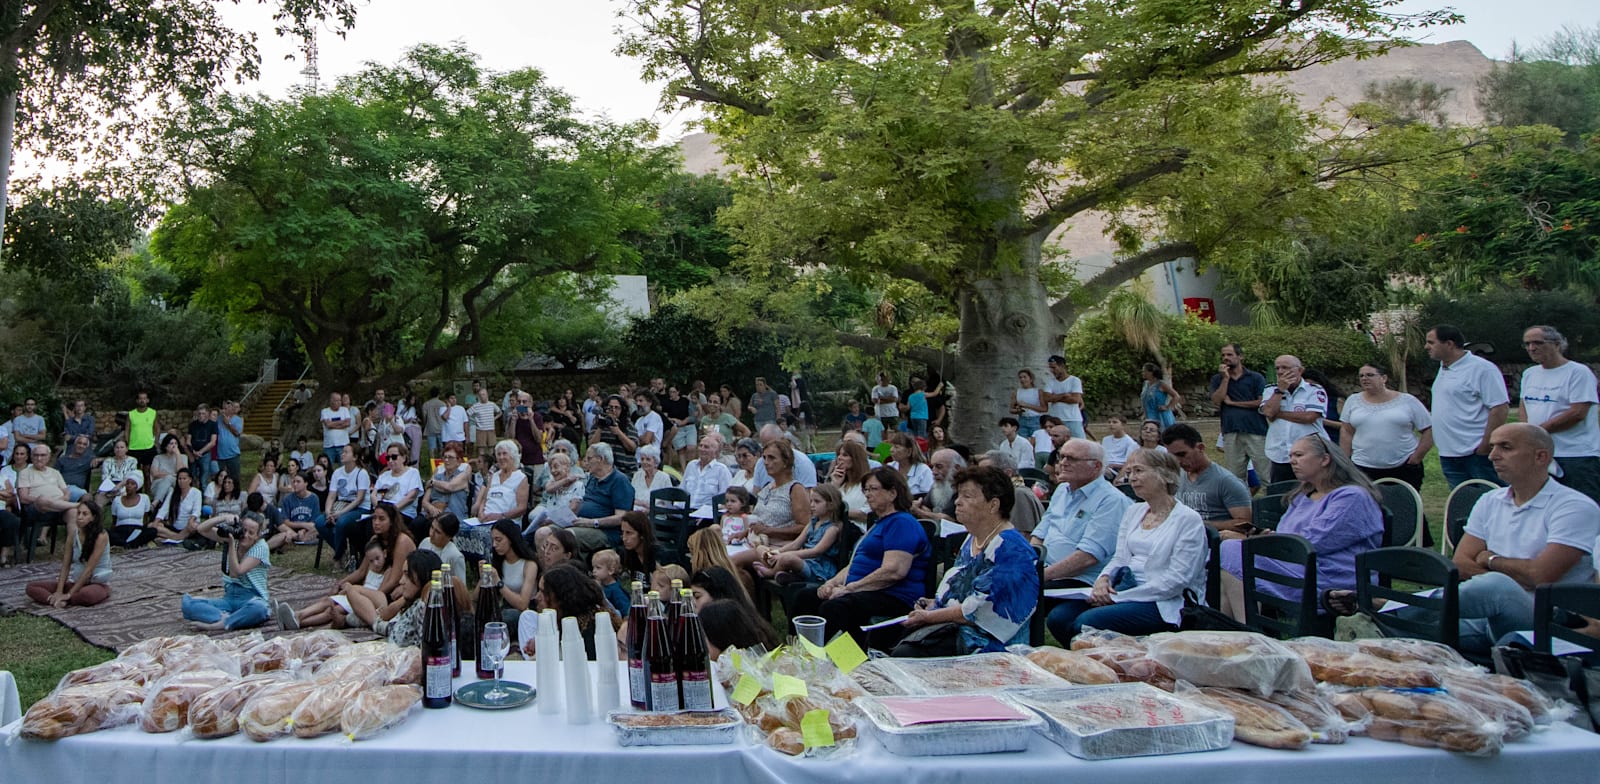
[{"x": 517, "y": 695}]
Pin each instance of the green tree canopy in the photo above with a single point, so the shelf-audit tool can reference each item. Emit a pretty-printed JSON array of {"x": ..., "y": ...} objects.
[
  {"x": 389, "y": 222},
  {"x": 938, "y": 145}
]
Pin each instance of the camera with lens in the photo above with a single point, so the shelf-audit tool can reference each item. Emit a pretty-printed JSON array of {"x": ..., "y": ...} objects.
[
  {"x": 601, "y": 422},
  {"x": 231, "y": 529}
]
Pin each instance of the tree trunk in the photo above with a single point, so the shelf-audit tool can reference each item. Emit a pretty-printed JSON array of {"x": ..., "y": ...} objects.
[{"x": 1006, "y": 325}]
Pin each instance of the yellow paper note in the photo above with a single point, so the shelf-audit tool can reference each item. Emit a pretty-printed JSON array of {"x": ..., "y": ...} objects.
[
  {"x": 845, "y": 653},
  {"x": 746, "y": 690},
  {"x": 786, "y": 686},
  {"x": 811, "y": 648},
  {"x": 738, "y": 661},
  {"x": 815, "y": 731}
]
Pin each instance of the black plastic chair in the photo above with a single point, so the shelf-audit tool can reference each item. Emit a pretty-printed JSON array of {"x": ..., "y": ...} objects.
[
  {"x": 1403, "y": 524},
  {"x": 1033, "y": 473},
  {"x": 1285, "y": 487},
  {"x": 1213, "y": 568},
  {"x": 1457, "y": 507},
  {"x": 716, "y": 507},
  {"x": 1417, "y": 566},
  {"x": 1554, "y": 604},
  {"x": 1275, "y": 615},
  {"x": 32, "y": 523},
  {"x": 669, "y": 515},
  {"x": 1036, "y": 626},
  {"x": 1266, "y": 511}
]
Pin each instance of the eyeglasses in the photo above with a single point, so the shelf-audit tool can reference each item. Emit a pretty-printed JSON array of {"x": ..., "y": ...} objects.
[{"x": 1533, "y": 343}]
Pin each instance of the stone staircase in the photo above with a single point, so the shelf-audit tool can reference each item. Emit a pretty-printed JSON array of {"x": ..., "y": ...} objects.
[{"x": 258, "y": 419}]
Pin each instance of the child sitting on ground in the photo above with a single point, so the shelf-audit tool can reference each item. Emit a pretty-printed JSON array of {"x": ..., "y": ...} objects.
[{"x": 335, "y": 610}]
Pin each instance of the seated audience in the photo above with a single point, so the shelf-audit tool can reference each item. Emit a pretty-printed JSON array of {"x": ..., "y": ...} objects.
[
  {"x": 1079, "y": 529},
  {"x": 85, "y": 578}
]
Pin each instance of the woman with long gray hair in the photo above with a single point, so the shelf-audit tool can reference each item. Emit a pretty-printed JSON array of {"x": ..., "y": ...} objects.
[{"x": 1335, "y": 508}]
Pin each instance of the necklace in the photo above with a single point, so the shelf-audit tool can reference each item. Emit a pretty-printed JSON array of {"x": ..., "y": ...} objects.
[{"x": 984, "y": 545}]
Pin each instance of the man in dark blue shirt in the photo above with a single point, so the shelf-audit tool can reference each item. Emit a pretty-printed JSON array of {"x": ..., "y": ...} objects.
[
  {"x": 1237, "y": 392},
  {"x": 606, "y": 496}
]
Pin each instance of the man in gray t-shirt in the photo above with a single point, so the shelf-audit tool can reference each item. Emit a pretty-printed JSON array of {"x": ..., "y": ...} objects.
[{"x": 1209, "y": 489}]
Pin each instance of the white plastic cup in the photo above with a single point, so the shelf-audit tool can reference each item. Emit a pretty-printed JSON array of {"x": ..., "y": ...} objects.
[{"x": 811, "y": 627}]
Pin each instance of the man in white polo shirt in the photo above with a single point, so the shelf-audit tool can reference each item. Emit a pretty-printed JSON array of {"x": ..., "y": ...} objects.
[
  {"x": 1469, "y": 402},
  {"x": 1533, "y": 532},
  {"x": 337, "y": 419},
  {"x": 1063, "y": 396},
  {"x": 1559, "y": 395},
  {"x": 1294, "y": 408}
]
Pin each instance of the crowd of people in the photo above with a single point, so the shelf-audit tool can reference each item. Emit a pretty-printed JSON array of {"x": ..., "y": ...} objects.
[{"x": 1130, "y": 518}]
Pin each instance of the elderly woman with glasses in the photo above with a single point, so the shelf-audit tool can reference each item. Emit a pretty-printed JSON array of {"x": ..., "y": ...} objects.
[
  {"x": 1161, "y": 552},
  {"x": 888, "y": 572}
]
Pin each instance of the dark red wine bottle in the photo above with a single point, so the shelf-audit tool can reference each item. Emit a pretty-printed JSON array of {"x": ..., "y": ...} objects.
[
  {"x": 437, "y": 685},
  {"x": 452, "y": 617},
  {"x": 694, "y": 663},
  {"x": 638, "y": 619},
  {"x": 486, "y": 611},
  {"x": 660, "y": 669}
]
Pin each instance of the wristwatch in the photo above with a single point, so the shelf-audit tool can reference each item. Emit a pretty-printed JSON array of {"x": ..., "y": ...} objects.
[{"x": 1489, "y": 564}]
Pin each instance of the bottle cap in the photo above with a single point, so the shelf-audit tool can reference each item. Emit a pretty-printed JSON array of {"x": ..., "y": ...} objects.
[
  {"x": 437, "y": 576},
  {"x": 445, "y": 568},
  {"x": 677, "y": 584},
  {"x": 653, "y": 595}
]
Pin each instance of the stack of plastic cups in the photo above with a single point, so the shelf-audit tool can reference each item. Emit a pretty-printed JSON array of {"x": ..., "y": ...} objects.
[
  {"x": 575, "y": 674},
  {"x": 548, "y": 642},
  {"x": 607, "y": 690}
]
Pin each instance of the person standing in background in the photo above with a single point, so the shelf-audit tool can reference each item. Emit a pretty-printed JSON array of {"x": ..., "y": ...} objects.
[
  {"x": 1294, "y": 407},
  {"x": 886, "y": 403},
  {"x": 433, "y": 423},
  {"x": 143, "y": 424},
  {"x": 1236, "y": 391},
  {"x": 76, "y": 421},
  {"x": 229, "y": 427},
  {"x": 1559, "y": 395},
  {"x": 1469, "y": 403},
  {"x": 1063, "y": 394}
]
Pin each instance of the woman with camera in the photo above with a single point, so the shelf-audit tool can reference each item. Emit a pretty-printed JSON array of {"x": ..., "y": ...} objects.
[
  {"x": 245, "y": 601},
  {"x": 613, "y": 427}
]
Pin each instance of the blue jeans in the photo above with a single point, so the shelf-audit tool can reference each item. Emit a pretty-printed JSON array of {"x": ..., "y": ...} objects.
[
  {"x": 239, "y": 608},
  {"x": 340, "y": 528},
  {"x": 1027, "y": 423},
  {"x": 1474, "y": 466},
  {"x": 232, "y": 464},
  {"x": 1135, "y": 618},
  {"x": 919, "y": 427},
  {"x": 333, "y": 454},
  {"x": 1076, "y": 428},
  {"x": 207, "y": 466},
  {"x": 1492, "y": 605}
]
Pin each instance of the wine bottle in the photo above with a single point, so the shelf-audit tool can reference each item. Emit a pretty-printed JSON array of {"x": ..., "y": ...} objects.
[
  {"x": 674, "y": 602},
  {"x": 437, "y": 687},
  {"x": 638, "y": 619},
  {"x": 486, "y": 612},
  {"x": 660, "y": 669},
  {"x": 452, "y": 618},
  {"x": 694, "y": 662}
]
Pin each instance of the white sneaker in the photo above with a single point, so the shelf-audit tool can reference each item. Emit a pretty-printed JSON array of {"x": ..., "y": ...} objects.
[{"x": 287, "y": 620}]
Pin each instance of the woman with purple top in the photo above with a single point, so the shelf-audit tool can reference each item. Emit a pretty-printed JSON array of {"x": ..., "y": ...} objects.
[{"x": 1335, "y": 509}]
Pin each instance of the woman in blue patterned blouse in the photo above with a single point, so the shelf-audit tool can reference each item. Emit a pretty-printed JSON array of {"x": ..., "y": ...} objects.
[{"x": 988, "y": 596}]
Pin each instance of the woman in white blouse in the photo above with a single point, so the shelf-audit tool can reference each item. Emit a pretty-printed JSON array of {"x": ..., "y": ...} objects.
[
  {"x": 906, "y": 457},
  {"x": 649, "y": 478},
  {"x": 504, "y": 495},
  {"x": 1161, "y": 552},
  {"x": 178, "y": 518},
  {"x": 1386, "y": 433},
  {"x": 115, "y": 470},
  {"x": 266, "y": 482}
]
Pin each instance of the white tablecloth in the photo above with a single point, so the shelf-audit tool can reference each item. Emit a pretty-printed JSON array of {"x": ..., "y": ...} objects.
[{"x": 467, "y": 746}]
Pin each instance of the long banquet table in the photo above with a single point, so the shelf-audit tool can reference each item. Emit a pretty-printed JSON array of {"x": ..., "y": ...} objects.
[{"x": 464, "y": 746}]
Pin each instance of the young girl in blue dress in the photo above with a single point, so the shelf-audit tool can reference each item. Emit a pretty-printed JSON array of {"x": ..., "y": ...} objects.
[{"x": 812, "y": 556}]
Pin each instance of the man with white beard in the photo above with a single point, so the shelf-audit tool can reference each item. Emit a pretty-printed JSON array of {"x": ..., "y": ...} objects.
[{"x": 940, "y": 502}]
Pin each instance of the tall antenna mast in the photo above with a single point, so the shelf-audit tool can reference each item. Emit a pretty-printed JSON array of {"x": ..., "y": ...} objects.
[{"x": 313, "y": 78}]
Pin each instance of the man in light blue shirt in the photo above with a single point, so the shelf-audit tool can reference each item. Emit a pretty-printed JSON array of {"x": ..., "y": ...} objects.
[
  {"x": 229, "y": 426},
  {"x": 805, "y": 471},
  {"x": 1079, "y": 529}
]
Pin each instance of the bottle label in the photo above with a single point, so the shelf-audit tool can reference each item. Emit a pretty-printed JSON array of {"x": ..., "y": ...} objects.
[
  {"x": 663, "y": 693},
  {"x": 697, "y": 691},
  {"x": 437, "y": 678},
  {"x": 638, "y": 684}
]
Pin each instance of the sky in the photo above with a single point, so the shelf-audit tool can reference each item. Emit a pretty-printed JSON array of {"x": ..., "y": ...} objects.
[{"x": 574, "y": 42}]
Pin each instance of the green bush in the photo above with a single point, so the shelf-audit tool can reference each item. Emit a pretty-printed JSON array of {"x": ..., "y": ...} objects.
[
  {"x": 1499, "y": 318},
  {"x": 1326, "y": 348},
  {"x": 1109, "y": 367}
]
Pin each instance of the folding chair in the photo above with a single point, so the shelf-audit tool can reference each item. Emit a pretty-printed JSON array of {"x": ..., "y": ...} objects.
[
  {"x": 669, "y": 515},
  {"x": 1281, "y": 488},
  {"x": 1457, "y": 507},
  {"x": 1275, "y": 615},
  {"x": 1416, "y": 566},
  {"x": 1266, "y": 511},
  {"x": 1404, "y": 522}
]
